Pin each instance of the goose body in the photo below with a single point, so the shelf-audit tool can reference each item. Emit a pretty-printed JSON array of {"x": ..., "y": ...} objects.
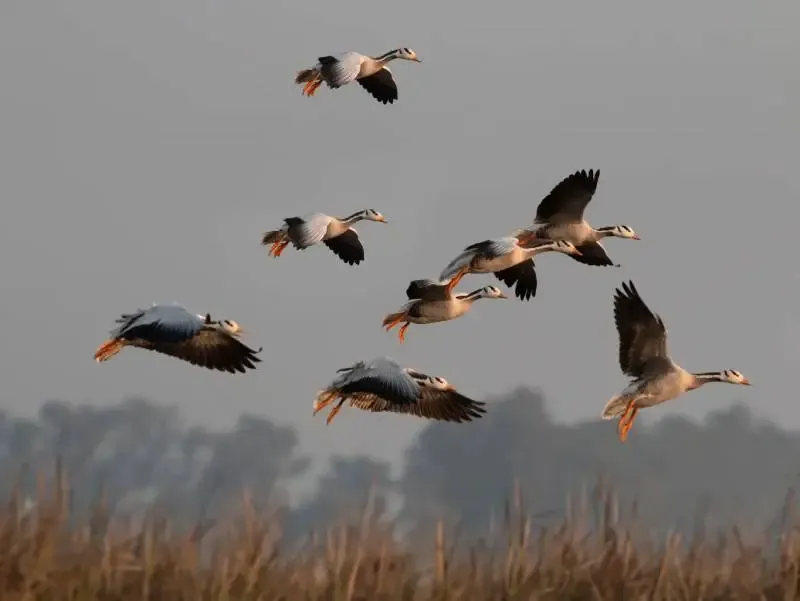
[
  {"x": 559, "y": 216},
  {"x": 371, "y": 73},
  {"x": 381, "y": 385},
  {"x": 643, "y": 356},
  {"x": 434, "y": 302},
  {"x": 336, "y": 233},
  {"x": 174, "y": 331},
  {"x": 511, "y": 263}
]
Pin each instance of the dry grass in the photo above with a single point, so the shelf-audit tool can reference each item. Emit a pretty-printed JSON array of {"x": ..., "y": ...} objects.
[{"x": 43, "y": 557}]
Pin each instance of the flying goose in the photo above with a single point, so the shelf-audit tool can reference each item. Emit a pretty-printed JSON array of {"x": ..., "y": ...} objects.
[
  {"x": 643, "y": 356},
  {"x": 382, "y": 385},
  {"x": 337, "y": 234},
  {"x": 560, "y": 217},
  {"x": 370, "y": 72},
  {"x": 432, "y": 302},
  {"x": 174, "y": 331},
  {"x": 510, "y": 262}
]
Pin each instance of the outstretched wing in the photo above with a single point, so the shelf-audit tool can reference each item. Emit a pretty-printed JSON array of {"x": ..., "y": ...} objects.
[
  {"x": 522, "y": 277},
  {"x": 567, "y": 201},
  {"x": 381, "y": 86},
  {"x": 212, "y": 348},
  {"x": 428, "y": 290},
  {"x": 158, "y": 324},
  {"x": 307, "y": 231},
  {"x": 431, "y": 403},
  {"x": 487, "y": 249},
  {"x": 340, "y": 70},
  {"x": 593, "y": 253},
  {"x": 642, "y": 334},
  {"x": 347, "y": 247},
  {"x": 381, "y": 377},
  {"x": 448, "y": 406}
]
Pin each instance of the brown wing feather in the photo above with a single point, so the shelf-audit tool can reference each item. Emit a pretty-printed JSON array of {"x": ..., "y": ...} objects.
[
  {"x": 567, "y": 201},
  {"x": 347, "y": 247},
  {"x": 441, "y": 405},
  {"x": 380, "y": 85},
  {"x": 642, "y": 334},
  {"x": 592, "y": 253},
  {"x": 523, "y": 275},
  {"x": 212, "y": 349}
]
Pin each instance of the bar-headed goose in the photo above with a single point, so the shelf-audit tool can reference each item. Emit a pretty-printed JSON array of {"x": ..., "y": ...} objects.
[
  {"x": 382, "y": 385},
  {"x": 643, "y": 356},
  {"x": 370, "y": 72},
  {"x": 560, "y": 217},
  {"x": 174, "y": 331},
  {"x": 432, "y": 302},
  {"x": 507, "y": 260},
  {"x": 337, "y": 234}
]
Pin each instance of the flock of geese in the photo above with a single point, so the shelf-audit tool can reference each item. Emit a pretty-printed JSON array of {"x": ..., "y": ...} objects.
[{"x": 381, "y": 384}]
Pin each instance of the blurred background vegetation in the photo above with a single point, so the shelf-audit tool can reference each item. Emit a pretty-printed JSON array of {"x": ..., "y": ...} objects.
[{"x": 677, "y": 475}]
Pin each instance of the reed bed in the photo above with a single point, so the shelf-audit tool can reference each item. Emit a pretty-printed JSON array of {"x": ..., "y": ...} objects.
[{"x": 592, "y": 554}]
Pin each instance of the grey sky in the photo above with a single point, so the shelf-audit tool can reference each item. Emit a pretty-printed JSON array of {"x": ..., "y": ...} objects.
[{"x": 144, "y": 146}]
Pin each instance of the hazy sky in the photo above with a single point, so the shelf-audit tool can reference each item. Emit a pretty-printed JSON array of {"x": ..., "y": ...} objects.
[{"x": 144, "y": 147}]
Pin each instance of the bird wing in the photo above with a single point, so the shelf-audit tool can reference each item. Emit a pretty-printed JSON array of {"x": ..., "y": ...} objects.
[
  {"x": 381, "y": 377},
  {"x": 342, "y": 69},
  {"x": 488, "y": 249},
  {"x": 347, "y": 247},
  {"x": 522, "y": 277},
  {"x": 427, "y": 290},
  {"x": 496, "y": 247},
  {"x": 567, "y": 201},
  {"x": 593, "y": 253},
  {"x": 431, "y": 403},
  {"x": 380, "y": 85},
  {"x": 158, "y": 323},
  {"x": 642, "y": 334},
  {"x": 212, "y": 348},
  {"x": 307, "y": 231},
  {"x": 447, "y": 405}
]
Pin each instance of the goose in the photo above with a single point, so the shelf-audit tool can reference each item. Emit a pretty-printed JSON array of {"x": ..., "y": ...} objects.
[
  {"x": 643, "y": 357},
  {"x": 370, "y": 72},
  {"x": 381, "y": 384},
  {"x": 174, "y": 331},
  {"x": 336, "y": 233},
  {"x": 510, "y": 262},
  {"x": 432, "y": 302},
  {"x": 560, "y": 217}
]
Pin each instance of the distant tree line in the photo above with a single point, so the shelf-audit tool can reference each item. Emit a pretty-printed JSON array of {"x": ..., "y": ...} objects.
[{"x": 676, "y": 474}]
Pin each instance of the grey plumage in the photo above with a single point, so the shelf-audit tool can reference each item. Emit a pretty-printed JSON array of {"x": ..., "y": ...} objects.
[
  {"x": 643, "y": 356},
  {"x": 510, "y": 262},
  {"x": 381, "y": 385},
  {"x": 174, "y": 331},
  {"x": 336, "y": 233},
  {"x": 428, "y": 289},
  {"x": 560, "y": 216},
  {"x": 371, "y": 73}
]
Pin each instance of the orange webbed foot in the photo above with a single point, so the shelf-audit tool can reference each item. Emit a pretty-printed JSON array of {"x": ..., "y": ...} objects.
[
  {"x": 311, "y": 87},
  {"x": 626, "y": 422},
  {"x": 333, "y": 412},
  {"x": 402, "y": 332},
  {"x": 278, "y": 248}
]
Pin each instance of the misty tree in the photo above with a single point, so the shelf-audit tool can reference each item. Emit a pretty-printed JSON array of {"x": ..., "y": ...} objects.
[
  {"x": 256, "y": 455},
  {"x": 671, "y": 472},
  {"x": 351, "y": 486},
  {"x": 681, "y": 474}
]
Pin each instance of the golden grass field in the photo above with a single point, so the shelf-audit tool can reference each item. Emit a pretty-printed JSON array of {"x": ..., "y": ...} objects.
[{"x": 44, "y": 555}]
